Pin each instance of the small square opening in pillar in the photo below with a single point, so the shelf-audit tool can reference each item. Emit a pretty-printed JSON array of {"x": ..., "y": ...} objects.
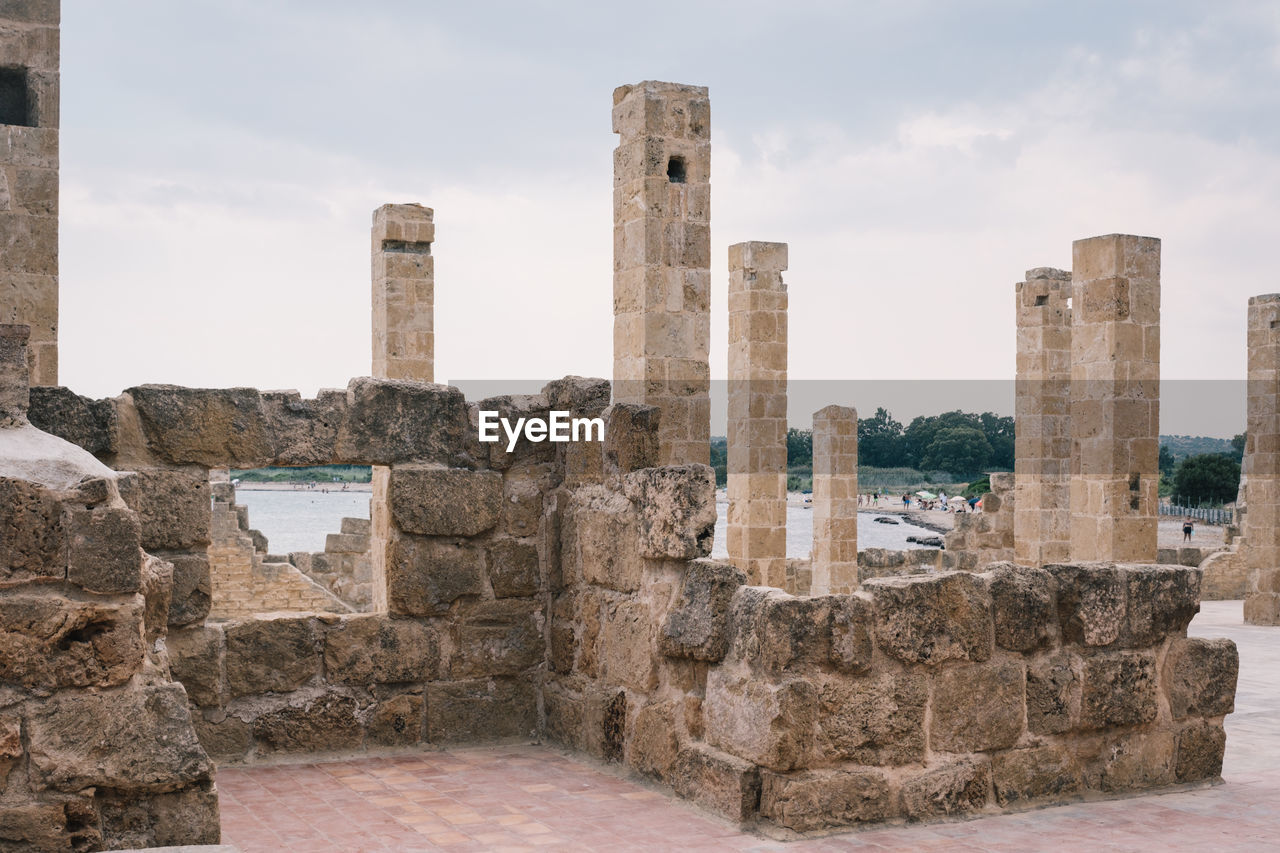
[
  {"x": 15, "y": 98},
  {"x": 1042, "y": 299},
  {"x": 675, "y": 170}
]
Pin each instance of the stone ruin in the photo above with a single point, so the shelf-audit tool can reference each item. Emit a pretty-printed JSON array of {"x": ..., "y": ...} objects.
[{"x": 564, "y": 590}]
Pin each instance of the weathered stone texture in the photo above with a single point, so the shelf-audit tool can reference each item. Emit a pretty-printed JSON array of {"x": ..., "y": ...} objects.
[
  {"x": 935, "y": 619},
  {"x": 662, "y": 261},
  {"x": 1115, "y": 397},
  {"x": 835, "y": 501},
  {"x": 445, "y": 501},
  {"x": 756, "y": 531}
]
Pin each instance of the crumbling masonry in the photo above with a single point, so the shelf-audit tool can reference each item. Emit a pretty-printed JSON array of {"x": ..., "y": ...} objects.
[{"x": 563, "y": 590}]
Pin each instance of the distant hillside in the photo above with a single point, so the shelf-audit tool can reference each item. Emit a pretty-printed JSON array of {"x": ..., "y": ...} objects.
[{"x": 1182, "y": 446}]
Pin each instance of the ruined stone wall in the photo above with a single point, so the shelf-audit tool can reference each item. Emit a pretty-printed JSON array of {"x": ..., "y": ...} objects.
[
  {"x": 662, "y": 261},
  {"x": 29, "y": 61},
  {"x": 982, "y": 538},
  {"x": 245, "y": 580},
  {"x": 345, "y": 566},
  {"x": 97, "y": 748}
]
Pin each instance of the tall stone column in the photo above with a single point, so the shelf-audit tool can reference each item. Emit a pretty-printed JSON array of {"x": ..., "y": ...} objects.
[
  {"x": 757, "y": 525},
  {"x": 29, "y": 51},
  {"x": 1115, "y": 397},
  {"x": 662, "y": 261},
  {"x": 1262, "y": 522},
  {"x": 835, "y": 501},
  {"x": 404, "y": 280},
  {"x": 1042, "y": 419}
]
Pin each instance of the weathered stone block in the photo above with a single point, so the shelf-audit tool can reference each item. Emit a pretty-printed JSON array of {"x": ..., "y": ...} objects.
[
  {"x": 956, "y": 787},
  {"x": 376, "y": 649},
  {"x": 270, "y": 655},
  {"x": 818, "y": 799},
  {"x": 630, "y": 437},
  {"x": 325, "y": 723},
  {"x": 196, "y": 660},
  {"x": 1053, "y": 695},
  {"x": 600, "y": 532},
  {"x": 91, "y": 424},
  {"x": 628, "y": 646},
  {"x": 677, "y": 506},
  {"x": 852, "y": 621},
  {"x": 1131, "y": 761},
  {"x": 398, "y": 721},
  {"x": 654, "y": 745},
  {"x": 68, "y": 825},
  {"x": 1200, "y": 747},
  {"x": 157, "y": 593},
  {"x": 425, "y": 576},
  {"x": 1162, "y": 600},
  {"x": 172, "y": 506},
  {"x": 140, "y": 738},
  {"x": 769, "y": 724},
  {"x": 1200, "y": 677},
  {"x": 1038, "y": 773},
  {"x": 978, "y": 707},
  {"x": 877, "y": 720},
  {"x": 10, "y": 746},
  {"x": 445, "y": 501},
  {"x": 522, "y": 499},
  {"x": 215, "y": 428},
  {"x": 171, "y": 819},
  {"x": 1118, "y": 689},
  {"x": 103, "y": 551},
  {"x": 480, "y": 710},
  {"x": 933, "y": 619},
  {"x": 47, "y": 641},
  {"x": 498, "y": 638},
  {"x": 192, "y": 588},
  {"x": 1091, "y": 602},
  {"x": 586, "y": 717},
  {"x": 722, "y": 783},
  {"x": 698, "y": 626},
  {"x": 513, "y": 567},
  {"x": 224, "y": 737},
  {"x": 32, "y": 540},
  {"x": 1023, "y": 607}
]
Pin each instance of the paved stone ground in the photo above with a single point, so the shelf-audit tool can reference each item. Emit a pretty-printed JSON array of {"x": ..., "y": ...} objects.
[{"x": 535, "y": 798}]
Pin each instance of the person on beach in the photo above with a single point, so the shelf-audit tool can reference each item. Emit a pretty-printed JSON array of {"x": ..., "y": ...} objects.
[
  {"x": 906, "y": 501},
  {"x": 1188, "y": 526}
]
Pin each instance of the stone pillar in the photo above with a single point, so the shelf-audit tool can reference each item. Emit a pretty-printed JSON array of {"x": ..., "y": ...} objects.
[
  {"x": 662, "y": 261},
  {"x": 835, "y": 501},
  {"x": 756, "y": 532},
  {"x": 404, "y": 280},
  {"x": 29, "y": 37},
  {"x": 1261, "y": 544},
  {"x": 15, "y": 398},
  {"x": 1042, "y": 419},
  {"x": 1115, "y": 398}
]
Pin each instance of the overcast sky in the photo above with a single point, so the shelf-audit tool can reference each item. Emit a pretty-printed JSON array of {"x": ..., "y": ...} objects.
[{"x": 221, "y": 160}]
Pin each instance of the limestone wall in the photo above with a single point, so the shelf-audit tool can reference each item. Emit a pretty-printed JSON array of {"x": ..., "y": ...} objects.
[
  {"x": 564, "y": 590},
  {"x": 245, "y": 580},
  {"x": 29, "y": 60},
  {"x": 97, "y": 748},
  {"x": 344, "y": 567},
  {"x": 982, "y": 538}
]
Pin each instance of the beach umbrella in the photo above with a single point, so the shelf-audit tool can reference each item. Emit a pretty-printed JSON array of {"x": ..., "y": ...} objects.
[{"x": 926, "y": 495}]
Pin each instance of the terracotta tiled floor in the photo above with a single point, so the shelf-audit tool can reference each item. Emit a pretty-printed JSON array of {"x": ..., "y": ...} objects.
[{"x": 535, "y": 798}]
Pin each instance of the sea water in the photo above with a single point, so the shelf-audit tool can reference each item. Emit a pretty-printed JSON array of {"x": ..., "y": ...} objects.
[{"x": 299, "y": 521}]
